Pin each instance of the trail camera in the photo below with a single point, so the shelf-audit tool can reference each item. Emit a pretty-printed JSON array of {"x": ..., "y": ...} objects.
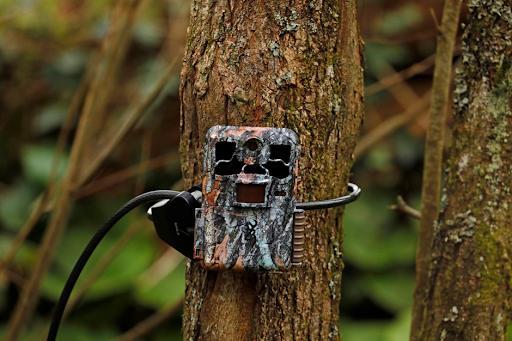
[
  {"x": 246, "y": 221},
  {"x": 245, "y": 216}
]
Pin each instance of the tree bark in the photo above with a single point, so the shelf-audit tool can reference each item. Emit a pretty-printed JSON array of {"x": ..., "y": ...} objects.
[
  {"x": 269, "y": 63},
  {"x": 470, "y": 281}
]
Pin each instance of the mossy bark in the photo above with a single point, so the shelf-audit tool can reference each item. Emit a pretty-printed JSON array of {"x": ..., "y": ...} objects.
[
  {"x": 269, "y": 63},
  {"x": 469, "y": 291}
]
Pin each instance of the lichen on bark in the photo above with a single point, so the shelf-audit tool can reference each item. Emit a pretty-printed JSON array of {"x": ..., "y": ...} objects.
[
  {"x": 471, "y": 275},
  {"x": 268, "y": 63}
]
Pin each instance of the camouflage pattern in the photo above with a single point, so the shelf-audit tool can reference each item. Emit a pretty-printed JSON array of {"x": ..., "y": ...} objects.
[{"x": 249, "y": 188}]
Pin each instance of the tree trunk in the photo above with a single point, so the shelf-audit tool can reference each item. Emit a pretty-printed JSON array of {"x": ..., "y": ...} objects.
[
  {"x": 470, "y": 283},
  {"x": 269, "y": 63}
]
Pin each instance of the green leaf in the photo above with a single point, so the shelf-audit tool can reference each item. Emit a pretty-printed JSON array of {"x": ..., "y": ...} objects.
[
  {"x": 16, "y": 205},
  {"x": 168, "y": 334},
  {"x": 120, "y": 274},
  {"x": 124, "y": 270},
  {"x": 399, "y": 21},
  {"x": 408, "y": 150},
  {"x": 399, "y": 329},
  {"x": 148, "y": 33},
  {"x": 393, "y": 291},
  {"x": 377, "y": 55},
  {"x": 373, "y": 240},
  {"x": 380, "y": 158},
  {"x": 26, "y": 254},
  {"x": 71, "y": 62},
  {"x": 37, "y": 162},
  {"x": 362, "y": 331},
  {"x": 50, "y": 118},
  {"x": 396, "y": 330}
]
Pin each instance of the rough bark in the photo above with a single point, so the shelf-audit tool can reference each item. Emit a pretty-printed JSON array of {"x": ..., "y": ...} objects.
[
  {"x": 470, "y": 283},
  {"x": 269, "y": 63}
]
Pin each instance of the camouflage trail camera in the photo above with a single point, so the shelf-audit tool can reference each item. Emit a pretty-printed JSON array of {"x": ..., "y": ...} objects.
[
  {"x": 245, "y": 216},
  {"x": 246, "y": 221}
]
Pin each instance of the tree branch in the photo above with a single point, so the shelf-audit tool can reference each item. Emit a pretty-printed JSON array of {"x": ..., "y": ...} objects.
[
  {"x": 29, "y": 295},
  {"x": 391, "y": 125},
  {"x": 434, "y": 155},
  {"x": 150, "y": 323},
  {"x": 404, "y": 208}
]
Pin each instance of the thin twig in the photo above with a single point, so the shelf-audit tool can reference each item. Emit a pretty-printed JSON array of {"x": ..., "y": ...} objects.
[
  {"x": 125, "y": 174},
  {"x": 115, "y": 47},
  {"x": 436, "y": 22},
  {"x": 17, "y": 14},
  {"x": 43, "y": 202},
  {"x": 29, "y": 296},
  {"x": 24, "y": 232},
  {"x": 402, "y": 206},
  {"x": 402, "y": 39},
  {"x": 405, "y": 74},
  {"x": 150, "y": 323},
  {"x": 401, "y": 76},
  {"x": 134, "y": 228},
  {"x": 131, "y": 231},
  {"x": 401, "y": 91},
  {"x": 164, "y": 265},
  {"x": 434, "y": 156},
  {"x": 15, "y": 278},
  {"x": 30, "y": 292},
  {"x": 389, "y": 126},
  {"x": 72, "y": 113},
  {"x": 111, "y": 140},
  {"x": 159, "y": 270}
]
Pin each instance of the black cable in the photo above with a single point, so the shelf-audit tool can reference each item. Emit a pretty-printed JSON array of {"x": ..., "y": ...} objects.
[
  {"x": 316, "y": 205},
  {"x": 137, "y": 201},
  {"x": 89, "y": 249}
]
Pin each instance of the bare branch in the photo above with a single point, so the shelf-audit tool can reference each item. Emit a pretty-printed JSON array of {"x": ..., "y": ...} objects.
[
  {"x": 30, "y": 293},
  {"x": 404, "y": 208},
  {"x": 434, "y": 155},
  {"x": 391, "y": 125},
  {"x": 150, "y": 323}
]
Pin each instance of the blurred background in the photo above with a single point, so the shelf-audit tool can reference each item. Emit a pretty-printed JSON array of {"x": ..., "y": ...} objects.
[{"x": 116, "y": 62}]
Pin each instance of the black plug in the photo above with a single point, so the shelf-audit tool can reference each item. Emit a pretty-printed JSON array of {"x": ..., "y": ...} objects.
[{"x": 174, "y": 220}]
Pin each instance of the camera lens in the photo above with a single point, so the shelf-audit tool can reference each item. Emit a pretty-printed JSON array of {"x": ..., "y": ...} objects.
[{"x": 252, "y": 145}]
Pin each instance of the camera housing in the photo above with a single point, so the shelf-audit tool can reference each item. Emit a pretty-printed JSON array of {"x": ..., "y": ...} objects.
[{"x": 246, "y": 221}]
